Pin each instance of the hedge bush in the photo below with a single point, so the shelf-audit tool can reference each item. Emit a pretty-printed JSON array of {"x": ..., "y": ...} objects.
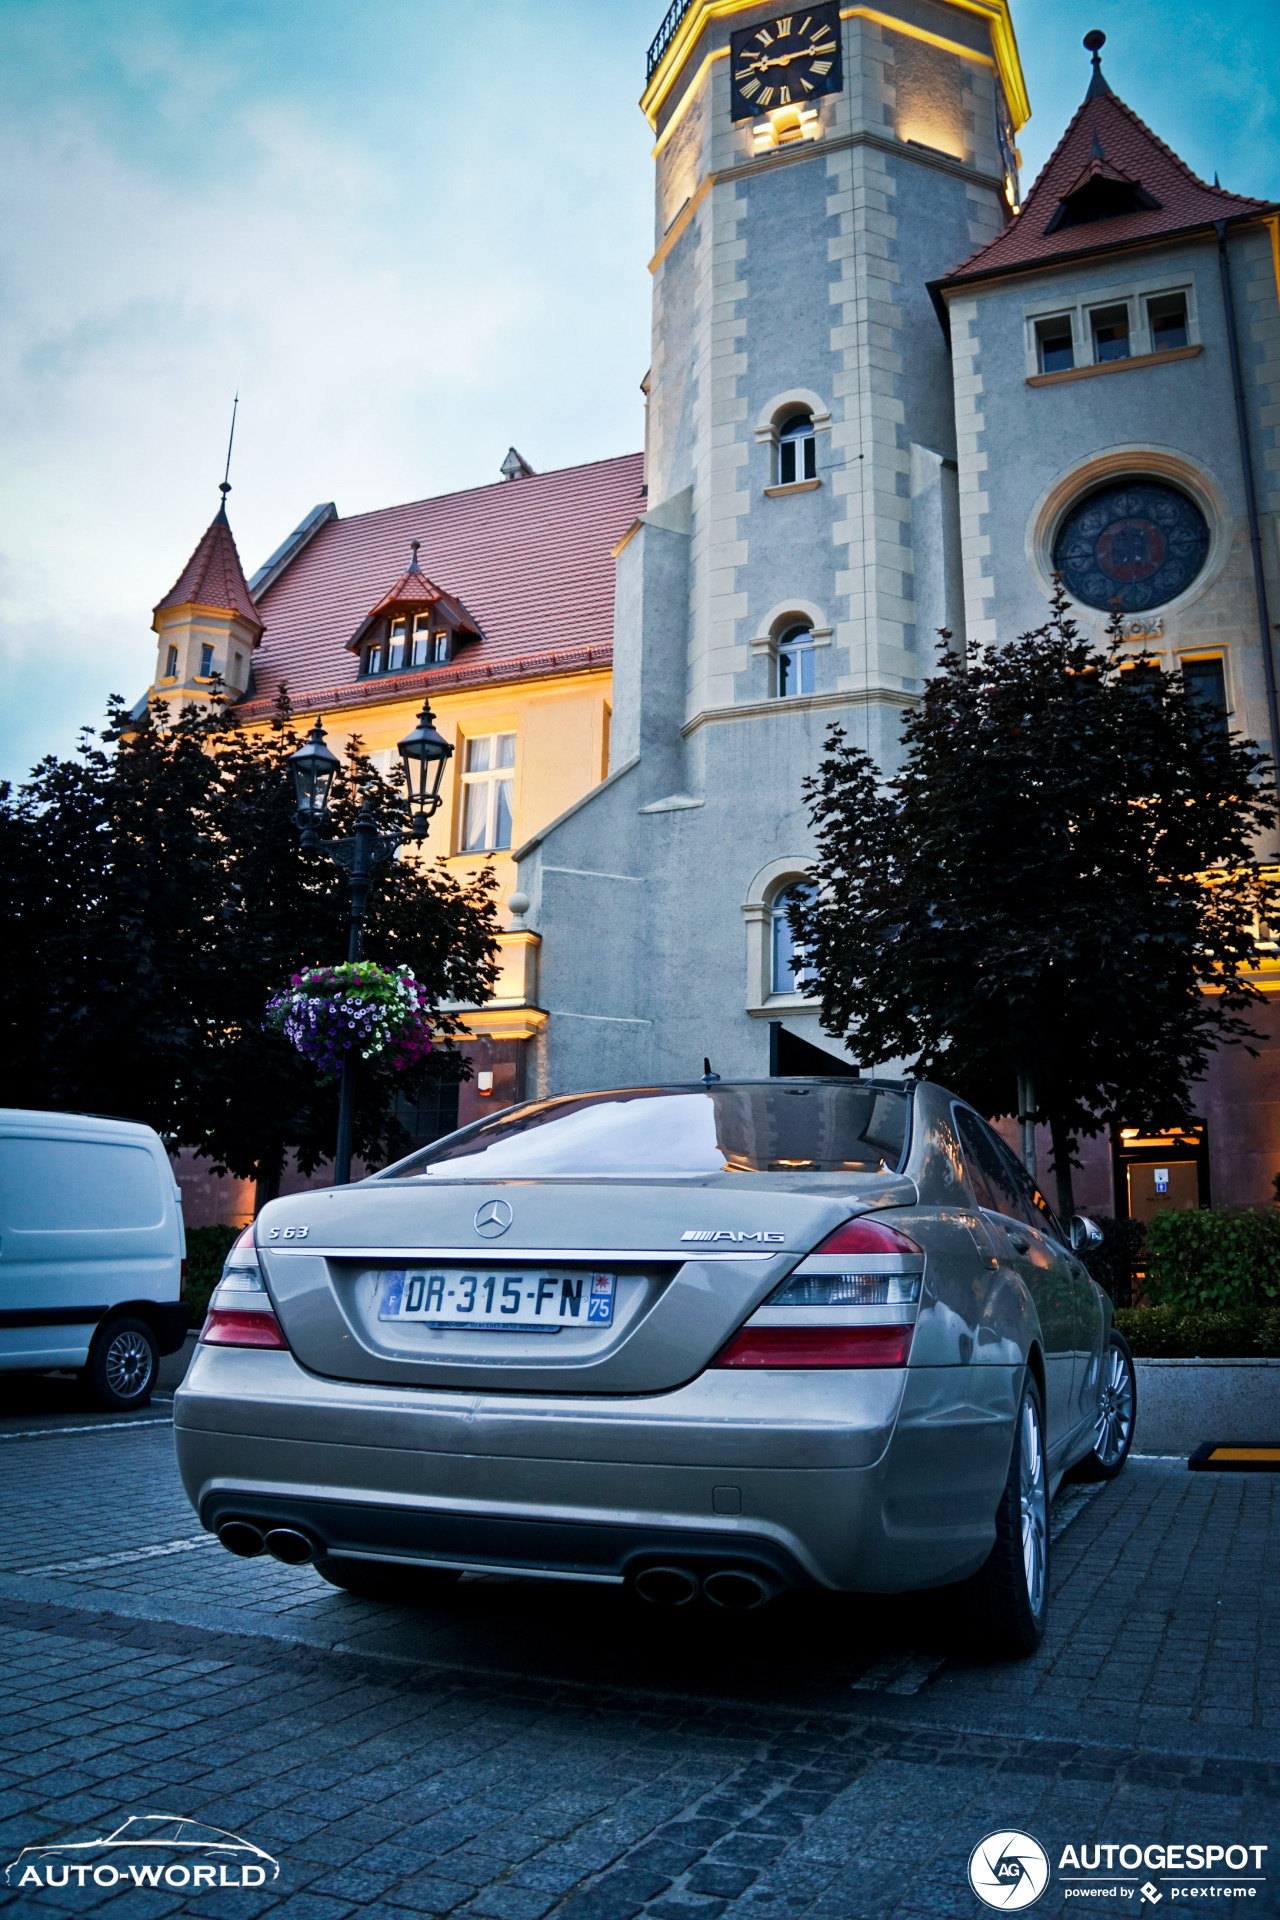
[
  {"x": 207, "y": 1248},
  {"x": 1116, "y": 1262},
  {"x": 1177, "y": 1333},
  {"x": 1215, "y": 1259}
]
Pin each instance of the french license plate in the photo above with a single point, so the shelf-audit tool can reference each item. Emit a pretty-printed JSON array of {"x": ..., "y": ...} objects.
[{"x": 521, "y": 1301}]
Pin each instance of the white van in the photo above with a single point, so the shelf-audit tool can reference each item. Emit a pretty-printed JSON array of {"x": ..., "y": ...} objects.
[{"x": 92, "y": 1251}]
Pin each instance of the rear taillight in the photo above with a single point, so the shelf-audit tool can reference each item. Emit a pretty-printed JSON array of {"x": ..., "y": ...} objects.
[
  {"x": 234, "y": 1327},
  {"x": 868, "y": 1236},
  {"x": 757, "y": 1346},
  {"x": 240, "y": 1312}
]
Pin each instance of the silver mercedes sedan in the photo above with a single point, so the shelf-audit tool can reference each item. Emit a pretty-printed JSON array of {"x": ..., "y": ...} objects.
[{"x": 708, "y": 1341}]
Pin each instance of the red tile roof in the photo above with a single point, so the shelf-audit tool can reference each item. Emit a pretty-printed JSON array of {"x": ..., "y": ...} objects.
[
  {"x": 213, "y": 576},
  {"x": 530, "y": 559},
  {"x": 1105, "y": 139}
]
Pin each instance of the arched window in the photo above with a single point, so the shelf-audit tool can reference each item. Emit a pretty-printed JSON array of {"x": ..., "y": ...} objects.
[
  {"x": 797, "y": 450},
  {"x": 789, "y": 974},
  {"x": 795, "y": 660}
]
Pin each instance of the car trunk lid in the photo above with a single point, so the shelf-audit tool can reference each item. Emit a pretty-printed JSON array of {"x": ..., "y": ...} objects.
[{"x": 685, "y": 1262}]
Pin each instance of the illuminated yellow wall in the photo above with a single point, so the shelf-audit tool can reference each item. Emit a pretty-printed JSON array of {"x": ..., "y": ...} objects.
[{"x": 562, "y": 749}]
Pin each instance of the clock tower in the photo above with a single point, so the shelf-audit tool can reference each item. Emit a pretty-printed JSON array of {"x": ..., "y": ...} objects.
[{"x": 814, "y": 170}]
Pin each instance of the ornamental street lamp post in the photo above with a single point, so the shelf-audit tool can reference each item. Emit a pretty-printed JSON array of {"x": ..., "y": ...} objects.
[{"x": 423, "y": 754}]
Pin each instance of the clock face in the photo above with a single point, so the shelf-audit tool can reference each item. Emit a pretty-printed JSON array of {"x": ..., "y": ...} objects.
[{"x": 785, "y": 62}]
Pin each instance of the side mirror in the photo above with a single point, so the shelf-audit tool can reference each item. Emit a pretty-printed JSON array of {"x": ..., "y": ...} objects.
[{"x": 1085, "y": 1232}]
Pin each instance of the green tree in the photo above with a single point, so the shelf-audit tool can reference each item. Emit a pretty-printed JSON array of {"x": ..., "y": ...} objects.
[
  {"x": 1062, "y": 862},
  {"x": 158, "y": 897}
]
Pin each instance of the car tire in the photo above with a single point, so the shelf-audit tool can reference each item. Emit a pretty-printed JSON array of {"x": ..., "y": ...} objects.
[
  {"x": 377, "y": 1580},
  {"x": 1009, "y": 1594},
  {"x": 1117, "y": 1415},
  {"x": 122, "y": 1366}
]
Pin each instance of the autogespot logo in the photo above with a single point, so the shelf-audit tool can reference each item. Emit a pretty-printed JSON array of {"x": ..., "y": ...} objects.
[
  {"x": 1008, "y": 1870},
  {"x": 148, "y": 1850},
  {"x": 493, "y": 1218}
]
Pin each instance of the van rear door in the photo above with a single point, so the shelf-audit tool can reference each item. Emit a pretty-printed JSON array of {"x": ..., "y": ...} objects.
[{"x": 85, "y": 1223}]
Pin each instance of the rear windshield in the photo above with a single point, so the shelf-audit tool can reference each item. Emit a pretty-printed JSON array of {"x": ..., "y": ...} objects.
[{"x": 849, "y": 1127}]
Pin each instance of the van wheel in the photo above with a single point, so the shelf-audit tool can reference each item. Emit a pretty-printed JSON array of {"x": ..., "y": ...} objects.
[
  {"x": 122, "y": 1365},
  {"x": 1009, "y": 1595},
  {"x": 380, "y": 1580}
]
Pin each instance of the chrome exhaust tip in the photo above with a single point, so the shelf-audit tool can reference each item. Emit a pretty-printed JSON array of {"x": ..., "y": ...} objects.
[
  {"x": 737, "y": 1589},
  {"x": 667, "y": 1586},
  {"x": 293, "y": 1548},
  {"x": 238, "y": 1537}
]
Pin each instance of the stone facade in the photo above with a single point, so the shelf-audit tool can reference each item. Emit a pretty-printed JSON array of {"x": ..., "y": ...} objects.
[{"x": 812, "y": 277}]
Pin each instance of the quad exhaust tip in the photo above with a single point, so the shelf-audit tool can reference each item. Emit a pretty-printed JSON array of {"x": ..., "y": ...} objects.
[
  {"x": 238, "y": 1537},
  {"x": 667, "y": 1586},
  {"x": 738, "y": 1589},
  {"x": 282, "y": 1543}
]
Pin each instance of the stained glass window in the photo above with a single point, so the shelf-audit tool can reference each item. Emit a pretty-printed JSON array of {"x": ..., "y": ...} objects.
[{"x": 1134, "y": 545}]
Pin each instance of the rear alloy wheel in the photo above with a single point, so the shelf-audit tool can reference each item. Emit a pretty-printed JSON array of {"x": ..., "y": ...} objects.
[
  {"x": 122, "y": 1365},
  {"x": 403, "y": 1586},
  {"x": 1009, "y": 1595},
  {"x": 1117, "y": 1414}
]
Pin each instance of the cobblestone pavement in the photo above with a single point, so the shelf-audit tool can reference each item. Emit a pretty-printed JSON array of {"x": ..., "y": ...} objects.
[{"x": 524, "y": 1749}]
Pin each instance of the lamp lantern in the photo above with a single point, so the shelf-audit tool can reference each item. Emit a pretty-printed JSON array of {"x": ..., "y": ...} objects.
[
  {"x": 313, "y": 767},
  {"x": 423, "y": 754}
]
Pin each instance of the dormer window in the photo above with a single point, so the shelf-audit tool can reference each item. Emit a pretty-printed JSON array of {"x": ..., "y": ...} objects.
[
  {"x": 416, "y": 624},
  {"x": 430, "y": 645},
  {"x": 797, "y": 450}
]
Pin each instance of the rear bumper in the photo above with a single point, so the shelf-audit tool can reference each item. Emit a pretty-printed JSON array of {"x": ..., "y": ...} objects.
[
  {"x": 824, "y": 1480},
  {"x": 603, "y": 1550}
]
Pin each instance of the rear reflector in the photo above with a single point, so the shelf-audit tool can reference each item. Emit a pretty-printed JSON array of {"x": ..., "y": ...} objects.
[
  {"x": 868, "y": 1236},
  {"x": 227, "y": 1327},
  {"x": 817, "y": 1347}
]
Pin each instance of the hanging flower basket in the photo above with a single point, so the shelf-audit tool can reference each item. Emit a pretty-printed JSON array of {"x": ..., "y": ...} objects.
[{"x": 361, "y": 1008}]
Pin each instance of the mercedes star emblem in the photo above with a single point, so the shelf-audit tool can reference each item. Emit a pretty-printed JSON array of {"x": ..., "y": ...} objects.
[{"x": 493, "y": 1218}]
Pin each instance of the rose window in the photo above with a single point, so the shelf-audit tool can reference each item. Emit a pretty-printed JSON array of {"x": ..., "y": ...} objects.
[{"x": 1131, "y": 546}]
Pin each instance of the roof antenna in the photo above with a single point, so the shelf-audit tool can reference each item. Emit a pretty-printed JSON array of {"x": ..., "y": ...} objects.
[
  {"x": 224, "y": 485},
  {"x": 1096, "y": 40},
  {"x": 707, "y": 1076}
]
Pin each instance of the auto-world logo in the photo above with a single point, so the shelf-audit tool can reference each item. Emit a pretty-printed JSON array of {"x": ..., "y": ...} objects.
[
  {"x": 148, "y": 1850},
  {"x": 1008, "y": 1870}
]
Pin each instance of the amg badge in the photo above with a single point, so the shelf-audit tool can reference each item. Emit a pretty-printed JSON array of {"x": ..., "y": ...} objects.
[{"x": 727, "y": 1233}]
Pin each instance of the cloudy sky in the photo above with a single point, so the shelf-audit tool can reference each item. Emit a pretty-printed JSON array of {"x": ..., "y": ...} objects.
[{"x": 409, "y": 232}]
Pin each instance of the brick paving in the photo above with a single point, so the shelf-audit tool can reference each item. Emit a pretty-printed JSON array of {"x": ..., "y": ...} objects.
[{"x": 524, "y": 1750}]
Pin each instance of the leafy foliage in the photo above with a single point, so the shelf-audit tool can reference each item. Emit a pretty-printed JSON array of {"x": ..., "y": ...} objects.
[
  {"x": 207, "y": 1249},
  {"x": 157, "y": 896},
  {"x": 1217, "y": 1259},
  {"x": 1025, "y": 895},
  {"x": 1177, "y": 1333}
]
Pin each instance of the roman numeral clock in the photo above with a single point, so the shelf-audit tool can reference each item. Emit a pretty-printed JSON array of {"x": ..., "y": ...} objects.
[{"x": 785, "y": 62}]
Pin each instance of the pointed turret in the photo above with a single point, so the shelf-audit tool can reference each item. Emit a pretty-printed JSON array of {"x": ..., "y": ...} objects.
[
  {"x": 1109, "y": 183},
  {"x": 208, "y": 624}
]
